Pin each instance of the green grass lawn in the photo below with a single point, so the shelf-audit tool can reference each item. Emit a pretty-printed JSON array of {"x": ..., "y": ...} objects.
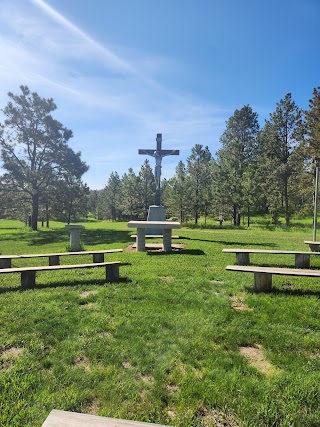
[{"x": 178, "y": 341}]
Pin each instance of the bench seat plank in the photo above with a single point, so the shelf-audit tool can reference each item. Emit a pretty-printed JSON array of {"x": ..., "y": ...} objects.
[
  {"x": 263, "y": 275},
  {"x": 267, "y": 251},
  {"x": 275, "y": 270},
  {"x": 98, "y": 256},
  {"x": 314, "y": 246},
  {"x": 302, "y": 258},
  {"x": 28, "y": 274},
  {"x": 73, "y": 419}
]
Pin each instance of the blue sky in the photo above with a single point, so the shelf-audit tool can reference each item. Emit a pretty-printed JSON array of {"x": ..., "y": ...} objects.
[{"x": 121, "y": 71}]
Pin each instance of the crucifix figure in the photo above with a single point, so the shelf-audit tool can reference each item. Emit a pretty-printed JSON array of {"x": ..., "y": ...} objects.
[{"x": 158, "y": 154}]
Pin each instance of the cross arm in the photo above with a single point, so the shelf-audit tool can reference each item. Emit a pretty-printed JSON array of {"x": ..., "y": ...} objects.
[
  {"x": 148, "y": 152},
  {"x": 169, "y": 152}
]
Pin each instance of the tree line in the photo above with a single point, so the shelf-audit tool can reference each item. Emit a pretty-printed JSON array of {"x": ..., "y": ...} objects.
[{"x": 257, "y": 170}]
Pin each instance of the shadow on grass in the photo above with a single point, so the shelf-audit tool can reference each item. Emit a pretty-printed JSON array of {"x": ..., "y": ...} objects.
[
  {"x": 287, "y": 292},
  {"x": 177, "y": 252},
  {"x": 99, "y": 236},
  {"x": 199, "y": 240},
  {"x": 53, "y": 285},
  {"x": 271, "y": 245},
  {"x": 88, "y": 237}
]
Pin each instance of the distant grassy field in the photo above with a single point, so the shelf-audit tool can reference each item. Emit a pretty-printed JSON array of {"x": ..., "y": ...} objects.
[{"x": 178, "y": 341}]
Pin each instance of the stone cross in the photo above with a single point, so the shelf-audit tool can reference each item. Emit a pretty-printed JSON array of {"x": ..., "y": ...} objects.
[{"x": 158, "y": 154}]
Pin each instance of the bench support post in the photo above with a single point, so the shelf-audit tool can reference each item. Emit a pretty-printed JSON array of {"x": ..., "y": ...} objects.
[
  {"x": 141, "y": 240},
  {"x": 167, "y": 233},
  {"x": 242, "y": 258},
  {"x": 98, "y": 257},
  {"x": 302, "y": 261},
  {"x": 262, "y": 281},
  {"x": 5, "y": 263},
  {"x": 112, "y": 273},
  {"x": 28, "y": 279},
  {"x": 54, "y": 260},
  {"x": 314, "y": 247}
]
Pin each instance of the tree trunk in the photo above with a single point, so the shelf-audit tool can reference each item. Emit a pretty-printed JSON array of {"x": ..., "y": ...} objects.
[
  {"x": 69, "y": 214},
  {"x": 35, "y": 211},
  {"x": 234, "y": 215},
  {"x": 47, "y": 215},
  {"x": 286, "y": 201}
]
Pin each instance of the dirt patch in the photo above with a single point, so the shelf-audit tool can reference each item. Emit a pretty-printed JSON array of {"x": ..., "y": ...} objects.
[
  {"x": 217, "y": 419},
  {"x": 93, "y": 407},
  {"x": 126, "y": 364},
  {"x": 130, "y": 248},
  {"x": 85, "y": 294},
  {"x": 221, "y": 282},
  {"x": 12, "y": 353},
  {"x": 172, "y": 388},
  {"x": 147, "y": 379},
  {"x": 8, "y": 357},
  {"x": 256, "y": 358},
  {"x": 83, "y": 362},
  {"x": 238, "y": 304},
  {"x": 156, "y": 247},
  {"x": 166, "y": 279},
  {"x": 88, "y": 305},
  {"x": 172, "y": 414}
]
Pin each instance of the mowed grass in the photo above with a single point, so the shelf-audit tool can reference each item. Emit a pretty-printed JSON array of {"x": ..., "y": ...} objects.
[{"x": 170, "y": 343}]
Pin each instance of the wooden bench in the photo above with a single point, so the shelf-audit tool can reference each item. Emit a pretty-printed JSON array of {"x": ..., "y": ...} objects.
[
  {"x": 314, "y": 246},
  {"x": 54, "y": 258},
  {"x": 165, "y": 226},
  {"x": 263, "y": 275},
  {"x": 74, "y": 419},
  {"x": 28, "y": 274},
  {"x": 302, "y": 259}
]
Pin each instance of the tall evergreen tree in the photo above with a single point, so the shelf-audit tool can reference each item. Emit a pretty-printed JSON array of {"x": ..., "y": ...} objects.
[
  {"x": 147, "y": 186},
  {"x": 199, "y": 178},
  {"x": 281, "y": 138},
  {"x": 313, "y": 124},
  {"x": 111, "y": 196},
  {"x": 34, "y": 147},
  {"x": 177, "y": 193},
  {"x": 130, "y": 203},
  {"x": 234, "y": 160}
]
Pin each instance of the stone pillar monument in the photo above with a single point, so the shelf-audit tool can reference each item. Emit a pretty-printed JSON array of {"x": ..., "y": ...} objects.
[
  {"x": 157, "y": 211},
  {"x": 75, "y": 231}
]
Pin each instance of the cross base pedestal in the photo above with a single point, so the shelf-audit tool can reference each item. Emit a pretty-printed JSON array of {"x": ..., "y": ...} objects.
[{"x": 156, "y": 213}]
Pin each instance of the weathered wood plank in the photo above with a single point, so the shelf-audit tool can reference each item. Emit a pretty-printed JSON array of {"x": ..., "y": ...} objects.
[
  {"x": 73, "y": 419},
  {"x": 28, "y": 274},
  {"x": 274, "y": 270},
  {"x": 302, "y": 258},
  {"x": 54, "y": 258}
]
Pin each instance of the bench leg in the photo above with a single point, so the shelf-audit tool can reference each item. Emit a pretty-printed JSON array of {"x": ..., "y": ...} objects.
[
  {"x": 28, "y": 279},
  {"x": 98, "y": 257},
  {"x": 112, "y": 273},
  {"x": 262, "y": 282},
  {"x": 54, "y": 260},
  {"x": 242, "y": 259},
  {"x": 5, "y": 263},
  {"x": 313, "y": 247},
  {"x": 167, "y": 233},
  {"x": 302, "y": 261},
  {"x": 141, "y": 240}
]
